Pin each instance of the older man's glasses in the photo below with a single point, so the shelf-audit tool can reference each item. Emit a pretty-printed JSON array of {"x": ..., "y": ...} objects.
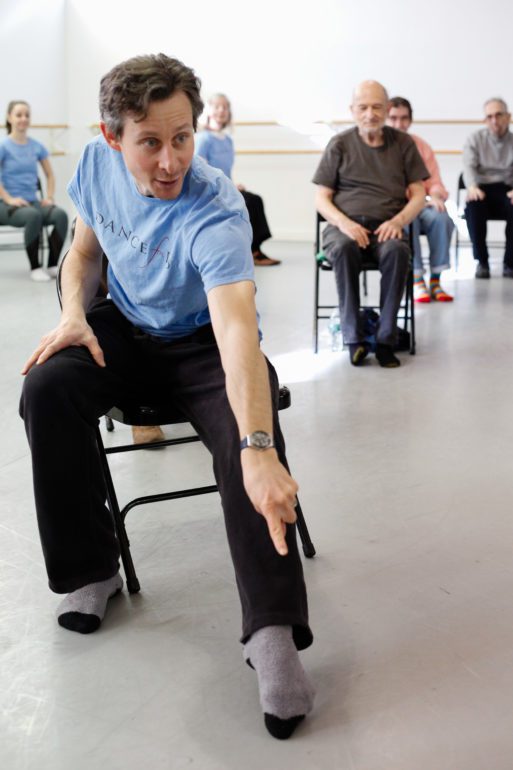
[{"x": 495, "y": 116}]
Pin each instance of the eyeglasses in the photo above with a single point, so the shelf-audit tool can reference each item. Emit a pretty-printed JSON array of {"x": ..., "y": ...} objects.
[{"x": 496, "y": 115}]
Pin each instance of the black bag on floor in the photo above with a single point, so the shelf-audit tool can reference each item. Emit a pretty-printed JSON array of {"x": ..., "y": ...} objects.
[{"x": 370, "y": 322}]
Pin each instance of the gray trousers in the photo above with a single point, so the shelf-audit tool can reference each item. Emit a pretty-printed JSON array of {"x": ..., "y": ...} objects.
[{"x": 393, "y": 260}]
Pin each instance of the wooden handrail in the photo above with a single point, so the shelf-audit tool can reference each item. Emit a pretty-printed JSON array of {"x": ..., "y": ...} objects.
[
  {"x": 348, "y": 122},
  {"x": 49, "y": 125},
  {"x": 320, "y": 151},
  {"x": 337, "y": 122}
]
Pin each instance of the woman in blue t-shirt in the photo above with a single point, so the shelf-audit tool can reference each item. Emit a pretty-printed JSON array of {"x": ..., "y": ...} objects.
[
  {"x": 20, "y": 205},
  {"x": 216, "y": 146}
]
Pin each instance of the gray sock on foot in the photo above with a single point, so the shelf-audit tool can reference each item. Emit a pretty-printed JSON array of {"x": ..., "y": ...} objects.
[
  {"x": 84, "y": 609},
  {"x": 285, "y": 691}
]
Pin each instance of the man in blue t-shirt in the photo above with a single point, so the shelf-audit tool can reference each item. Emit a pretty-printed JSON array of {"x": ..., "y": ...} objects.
[{"x": 180, "y": 322}]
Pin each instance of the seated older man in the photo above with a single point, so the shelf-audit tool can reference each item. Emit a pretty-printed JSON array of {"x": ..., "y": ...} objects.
[
  {"x": 433, "y": 221},
  {"x": 369, "y": 188},
  {"x": 488, "y": 174}
]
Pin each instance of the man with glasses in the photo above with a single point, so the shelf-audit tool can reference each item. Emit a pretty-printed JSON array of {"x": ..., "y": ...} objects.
[{"x": 488, "y": 175}]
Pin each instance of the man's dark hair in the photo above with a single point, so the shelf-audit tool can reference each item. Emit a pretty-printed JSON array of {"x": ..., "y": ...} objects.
[
  {"x": 130, "y": 88},
  {"x": 400, "y": 101}
]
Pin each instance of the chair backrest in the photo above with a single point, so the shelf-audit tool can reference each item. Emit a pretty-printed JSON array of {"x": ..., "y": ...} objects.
[
  {"x": 461, "y": 186},
  {"x": 318, "y": 221}
]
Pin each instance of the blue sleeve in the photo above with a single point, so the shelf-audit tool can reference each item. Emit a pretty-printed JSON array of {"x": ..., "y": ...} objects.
[
  {"x": 42, "y": 152},
  {"x": 222, "y": 249}
]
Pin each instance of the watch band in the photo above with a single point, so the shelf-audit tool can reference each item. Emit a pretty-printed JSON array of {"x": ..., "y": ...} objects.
[{"x": 259, "y": 439}]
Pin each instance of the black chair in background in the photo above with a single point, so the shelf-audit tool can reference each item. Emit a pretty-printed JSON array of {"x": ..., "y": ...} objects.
[
  {"x": 151, "y": 413},
  {"x": 406, "y": 311}
]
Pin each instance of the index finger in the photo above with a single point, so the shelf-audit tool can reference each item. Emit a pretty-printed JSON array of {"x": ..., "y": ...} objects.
[
  {"x": 277, "y": 519},
  {"x": 32, "y": 360},
  {"x": 277, "y": 531}
]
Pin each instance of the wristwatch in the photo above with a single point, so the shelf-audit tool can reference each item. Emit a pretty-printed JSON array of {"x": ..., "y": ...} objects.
[{"x": 259, "y": 439}]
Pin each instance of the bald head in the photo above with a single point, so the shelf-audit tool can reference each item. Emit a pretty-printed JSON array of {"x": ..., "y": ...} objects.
[
  {"x": 370, "y": 90},
  {"x": 369, "y": 110}
]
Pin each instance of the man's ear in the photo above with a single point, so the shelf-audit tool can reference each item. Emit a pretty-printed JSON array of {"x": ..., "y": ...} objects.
[{"x": 109, "y": 137}]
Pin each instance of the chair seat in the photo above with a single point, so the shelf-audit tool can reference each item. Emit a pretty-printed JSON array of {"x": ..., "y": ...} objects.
[
  {"x": 325, "y": 264},
  {"x": 166, "y": 414}
]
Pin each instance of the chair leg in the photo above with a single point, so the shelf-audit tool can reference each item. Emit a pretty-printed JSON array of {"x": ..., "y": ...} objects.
[
  {"x": 109, "y": 423},
  {"x": 124, "y": 545},
  {"x": 365, "y": 288},
  {"x": 316, "y": 303},
  {"x": 308, "y": 546},
  {"x": 410, "y": 307}
]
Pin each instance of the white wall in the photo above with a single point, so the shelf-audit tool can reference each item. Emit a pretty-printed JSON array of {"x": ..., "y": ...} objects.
[{"x": 276, "y": 60}]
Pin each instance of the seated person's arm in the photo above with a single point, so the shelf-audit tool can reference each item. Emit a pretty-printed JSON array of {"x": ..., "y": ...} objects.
[
  {"x": 470, "y": 164},
  {"x": 393, "y": 228},
  {"x": 9, "y": 200},
  {"x": 50, "y": 182},
  {"x": 80, "y": 277},
  {"x": 325, "y": 206},
  {"x": 268, "y": 484}
]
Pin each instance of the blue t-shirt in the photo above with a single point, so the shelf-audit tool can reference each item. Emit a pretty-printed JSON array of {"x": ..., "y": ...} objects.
[
  {"x": 164, "y": 255},
  {"x": 217, "y": 150},
  {"x": 18, "y": 167}
]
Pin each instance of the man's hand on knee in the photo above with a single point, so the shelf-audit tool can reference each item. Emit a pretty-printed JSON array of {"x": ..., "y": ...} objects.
[
  {"x": 388, "y": 230},
  {"x": 67, "y": 334},
  {"x": 356, "y": 232},
  {"x": 272, "y": 492},
  {"x": 475, "y": 193}
]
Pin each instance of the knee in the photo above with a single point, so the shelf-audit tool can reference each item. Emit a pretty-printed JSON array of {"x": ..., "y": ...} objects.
[
  {"x": 397, "y": 251},
  {"x": 61, "y": 220},
  {"x": 44, "y": 384},
  {"x": 342, "y": 251},
  {"x": 34, "y": 217},
  {"x": 474, "y": 208}
]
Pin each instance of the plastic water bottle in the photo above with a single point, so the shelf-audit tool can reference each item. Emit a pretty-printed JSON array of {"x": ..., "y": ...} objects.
[{"x": 335, "y": 331}]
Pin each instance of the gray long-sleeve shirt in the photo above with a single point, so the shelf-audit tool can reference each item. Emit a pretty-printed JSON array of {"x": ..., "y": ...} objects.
[{"x": 488, "y": 158}]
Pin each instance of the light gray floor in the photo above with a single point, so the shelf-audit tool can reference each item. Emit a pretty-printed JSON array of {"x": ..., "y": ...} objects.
[{"x": 407, "y": 487}]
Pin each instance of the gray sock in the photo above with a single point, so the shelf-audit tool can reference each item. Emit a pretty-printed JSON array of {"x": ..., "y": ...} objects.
[
  {"x": 286, "y": 695},
  {"x": 84, "y": 609}
]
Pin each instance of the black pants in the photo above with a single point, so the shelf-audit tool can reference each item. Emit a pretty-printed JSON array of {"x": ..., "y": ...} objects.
[
  {"x": 255, "y": 207},
  {"x": 496, "y": 205},
  {"x": 61, "y": 403},
  {"x": 393, "y": 259}
]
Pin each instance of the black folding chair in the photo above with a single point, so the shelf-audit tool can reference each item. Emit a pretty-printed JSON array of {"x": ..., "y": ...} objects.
[
  {"x": 151, "y": 413},
  {"x": 406, "y": 311}
]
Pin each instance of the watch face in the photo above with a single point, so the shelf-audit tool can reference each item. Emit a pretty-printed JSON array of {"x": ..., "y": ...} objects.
[{"x": 260, "y": 439}]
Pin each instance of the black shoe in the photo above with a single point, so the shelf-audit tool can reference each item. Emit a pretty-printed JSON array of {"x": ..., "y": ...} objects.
[
  {"x": 385, "y": 356},
  {"x": 357, "y": 352},
  {"x": 507, "y": 271},
  {"x": 482, "y": 270}
]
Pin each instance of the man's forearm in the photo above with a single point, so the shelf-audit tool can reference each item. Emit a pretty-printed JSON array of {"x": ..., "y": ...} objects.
[
  {"x": 469, "y": 166},
  {"x": 247, "y": 383},
  {"x": 80, "y": 279},
  {"x": 411, "y": 210},
  {"x": 330, "y": 212}
]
